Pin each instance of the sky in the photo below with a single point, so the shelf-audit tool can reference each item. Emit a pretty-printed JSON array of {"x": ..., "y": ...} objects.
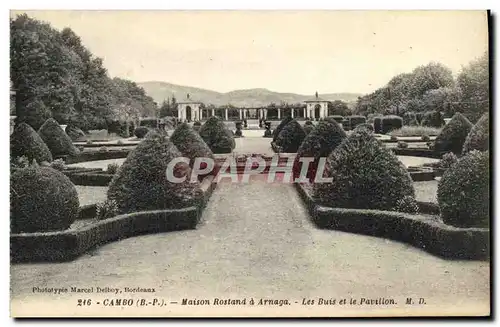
[{"x": 283, "y": 51}]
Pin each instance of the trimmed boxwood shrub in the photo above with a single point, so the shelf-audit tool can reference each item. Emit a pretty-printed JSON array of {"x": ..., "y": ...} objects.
[
  {"x": 366, "y": 126},
  {"x": 463, "y": 191},
  {"x": 141, "y": 131},
  {"x": 149, "y": 122},
  {"x": 56, "y": 139},
  {"x": 355, "y": 121},
  {"x": 190, "y": 143},
  {"x": 453, "y": 135},
  {"x": 74, "y": 132},
  {"x": 308, "y": 123},
  {"x": 390, "y": 123},
  {"x": 141, "y": 182},
  {"x": 280, "y": 126},
  {"x": 217, "y": 136},
  {"x": 319, "y": 143},
  {"x": 433, "y": 119},
  {"x": 377, "y": 125},
  {"x": 291, "y": 137},
  {"x": 479, "y": 136},
  {"x": 42, "y": 199},
  {"x": 24, "y": 141},
  {"x": 366, "y": 175}
]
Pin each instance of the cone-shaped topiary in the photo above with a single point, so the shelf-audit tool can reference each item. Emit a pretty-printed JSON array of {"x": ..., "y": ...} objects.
[
  {"x": 190, "y": 143},
  {"x": 141, "y": 182},
  {"x": 323, "y": 139},
  {"x": 280, "y": 126},
  {"x": 479, "y": 136},
  {"x": 24, "y": 141},
  {"x": 57, "y": 140},
  {"x": 42, "y": 199},
  {"x": 217, "y": 136},
  {"x": 366, "y": 175},
  {"x": 74, "y": 132},
  {"x": 463, "y": 191},
  {"x": 291, "y": 137},
  {"x": 453, "y": 135}
]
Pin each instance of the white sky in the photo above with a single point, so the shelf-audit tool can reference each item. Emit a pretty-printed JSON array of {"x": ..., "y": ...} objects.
[{"x": 284, "y": 51}]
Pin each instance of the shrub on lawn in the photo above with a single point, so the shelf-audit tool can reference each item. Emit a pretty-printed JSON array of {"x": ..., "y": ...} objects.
[
  {"x": 112, "y": 168},
  {"x": 479, "y": 136},
  {"x": 74, "y": 132},
  {"x": 426, "y": 138},
  {"x": 320, "y": 142},
  {"x": 281, "y": 125},
  {"x": 42, "y": 199},
  {"x": 291, "y": 136},
  {"x": 394, "y": 138},
  {"x": 402, "y": 145},
  {"x": 149, "y": 122},
  {"x": 217, "y": 136},
  {"x": 407, "y": 204},
  {"x": 463, "y": 191},
  {"x": 196, "y": 126},
  {"x": 366, "y": 175},
  {"x": 390, "y": 123},
  {"x": 56, "y": 139},
  {"x": 366, "y": 126},
  {"x": 433, "y": 119},
  {"x": 190, "y": 143},
  {"x": 309, "y": 123},
  {"x": 106, "y": 209},
  {"x": 141, "y": 131},
  {"x": 141, "y": 182},
  {"x": 24, "y": 141},
  {"x": 58, "y": 164},
  {"x": 453, "y": 135},
  {"x": 448, "y": 160}
]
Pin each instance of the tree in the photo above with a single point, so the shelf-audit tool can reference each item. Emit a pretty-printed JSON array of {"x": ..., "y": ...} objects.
[{"x": 338, "y": 107}]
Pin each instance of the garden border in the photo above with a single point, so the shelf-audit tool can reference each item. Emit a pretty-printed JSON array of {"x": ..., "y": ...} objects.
[
  {"x": 67, "y": 245},
  {"x": 433, "y": 237},
  {"x": 95, "y": 156}
]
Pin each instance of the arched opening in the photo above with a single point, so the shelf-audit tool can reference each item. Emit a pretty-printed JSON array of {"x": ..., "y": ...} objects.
[
  {"x": 188, "y": 113},
  {"x": 317, "y": 111}
]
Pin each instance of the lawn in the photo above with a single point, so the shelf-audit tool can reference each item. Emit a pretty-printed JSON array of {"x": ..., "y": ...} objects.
[{"x": 91, "y": 194}]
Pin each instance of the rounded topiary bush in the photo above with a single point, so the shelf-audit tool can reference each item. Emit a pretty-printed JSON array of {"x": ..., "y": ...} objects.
[
  {"x": 319, "y": 143},
  {"x": 390, "y": 123},
  {"x": 479, "y": 136},
  {"x": 433, "y": 119},
  {"x": 366, "y": 175},
  {"x": 74, "y": 132},
  {"x": 463, "y": 191},
  {"x": 42, "y": 199},
  {"x": 217, "y": 136},
  {"x": 190, "y": 143},
  {"x": 355, "y": 121},
  {"x": 141, "y": 131},
  {"x": 281, "y": 125},
  {"x": 291, "y": 136},
  {"x": 57, "y": 140},
  {"x": 308, "y": 123},
  {"x": 141, "y": 183},
  {"x": 24, "y": 141},
  {"x": 453, "y": 135}
]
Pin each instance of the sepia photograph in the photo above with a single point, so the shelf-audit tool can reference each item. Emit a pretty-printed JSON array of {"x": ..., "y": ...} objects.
[{"x": 250, "y": 163}]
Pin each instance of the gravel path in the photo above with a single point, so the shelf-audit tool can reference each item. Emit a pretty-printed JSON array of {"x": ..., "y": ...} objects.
[{"x": 255, "y": 240}]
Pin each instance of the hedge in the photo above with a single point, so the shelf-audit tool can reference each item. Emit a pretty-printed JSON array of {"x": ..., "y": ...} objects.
[
  {"x": 42, "y": 199},
  {"x": 377, "y": 125},
  {"x": 24, "y": 141},
  {"x": 319, "y": 143},
  {"x": 355, "y": 121},
  {"x": 291, "y": 136},
  {"x": 56, "y": 139},
  {"x": 390, "y": 123},
  {"x": 479, "y": 136},
  {"x": 366, "y": 175},
  {"x": 453, "y": 135},
  {"x": 142, "y": 184},
  {"x": 463, "y": 191}
]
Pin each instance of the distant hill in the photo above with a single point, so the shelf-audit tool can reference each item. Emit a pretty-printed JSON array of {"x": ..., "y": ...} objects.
[{"x": 160, "y": 91}]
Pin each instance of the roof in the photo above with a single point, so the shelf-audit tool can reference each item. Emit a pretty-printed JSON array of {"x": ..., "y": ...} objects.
[{"x": 188, "y": 99}]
